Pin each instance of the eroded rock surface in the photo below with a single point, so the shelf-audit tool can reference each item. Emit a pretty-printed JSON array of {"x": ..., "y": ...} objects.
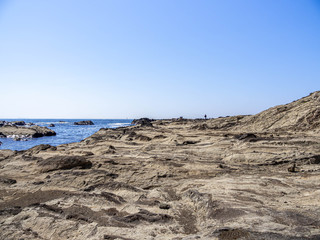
[
  {"x": 34, "y": 131},
  {"x": 180, "y": 179}
]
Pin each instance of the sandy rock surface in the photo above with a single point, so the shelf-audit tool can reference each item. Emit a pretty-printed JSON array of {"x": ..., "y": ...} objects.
[{"x": 242, "y": 177}]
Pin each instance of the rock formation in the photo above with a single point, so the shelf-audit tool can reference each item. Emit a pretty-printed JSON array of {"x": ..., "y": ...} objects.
[
  {"x": 25, "y": 132},
  {"x": 84, "y": 123},
  {"x": 143, "y": 122},
  {"x": 225, "y": 178}
]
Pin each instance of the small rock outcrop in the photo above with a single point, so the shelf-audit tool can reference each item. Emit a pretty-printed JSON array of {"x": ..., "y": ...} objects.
[
  {"x": 18, "y": 123},
  {"x": 249, "y": 137},
  {"x": 64, "y": 163},
  {"x": 88, "y": 122},
  {"x": 52, "y": 125},
  {"x": 143, "y": 122},
  {"x": 41, "y": 147}
]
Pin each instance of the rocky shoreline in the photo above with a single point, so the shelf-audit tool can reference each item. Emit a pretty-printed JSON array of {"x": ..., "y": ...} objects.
[
  {"x": 21, "y": 131},
  {"x": 240, "y": 177}
]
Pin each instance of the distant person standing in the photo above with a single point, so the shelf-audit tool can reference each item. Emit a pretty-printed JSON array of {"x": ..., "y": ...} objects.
[{"x": 205, "y": 116}]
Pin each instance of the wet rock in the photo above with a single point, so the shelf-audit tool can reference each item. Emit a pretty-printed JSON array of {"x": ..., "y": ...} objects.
[
  {"x": 63, "y": 163},
  {"x": 52, "y": 125},
  {"x": 18, "y": 123},
  {"x": 42, "y": 131},
  {"x": 88, "y": 122},
  {"x": 26, "y": 132}
]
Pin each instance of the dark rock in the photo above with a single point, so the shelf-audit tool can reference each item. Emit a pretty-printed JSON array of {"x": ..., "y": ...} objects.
[
  {"x": 63, "y": 163},
  {"x": 18, "y": 123},
  {"x": 164, "y": 206},
  {"x": 25, "y": 132},
  {"x": 42, "y": 131},
  {"x": 113, "y": 198},
  {"x": 8, "y": 181},
  {"x": 143, "y": 122},
  {"x": 38, "y": 183},
  {"x": 10, "y": 211},
  {"x": 52, "y": 125},
  {"x": 189, "y": 142},
  {"x": 84, "y": 123},
  {"x": 0, "y": 143},
  {"x": 146, "y": 216},
  {"x": 250, "y": 137}
]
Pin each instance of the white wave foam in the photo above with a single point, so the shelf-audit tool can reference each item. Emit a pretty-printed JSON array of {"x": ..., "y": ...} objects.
[{"x": 115, "y": 125}]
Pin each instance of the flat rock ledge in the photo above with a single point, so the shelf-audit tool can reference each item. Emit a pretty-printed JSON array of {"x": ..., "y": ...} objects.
[
  {"x": 89, "y": 122},
  {"x": 26, "y": 132}
]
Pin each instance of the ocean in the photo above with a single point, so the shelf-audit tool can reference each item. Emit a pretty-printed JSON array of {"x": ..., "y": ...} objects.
[{"x": 66, "y": 131}]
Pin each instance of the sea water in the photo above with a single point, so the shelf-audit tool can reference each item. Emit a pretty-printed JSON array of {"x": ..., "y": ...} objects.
[{"x": 66, "y": 131}]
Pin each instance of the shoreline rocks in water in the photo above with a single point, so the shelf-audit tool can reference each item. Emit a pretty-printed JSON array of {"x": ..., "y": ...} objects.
[
  {"x": 15, "y": 123},
  {"x": 21, "y": 133},
  {"x": 87, "y": 122}
]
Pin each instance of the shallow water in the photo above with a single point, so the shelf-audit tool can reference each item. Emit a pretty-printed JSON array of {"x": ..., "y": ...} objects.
[{"x": 66, "y": 131}]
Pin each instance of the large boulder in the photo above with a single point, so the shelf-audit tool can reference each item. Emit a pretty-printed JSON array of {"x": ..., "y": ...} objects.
[
  {"x": 144, "y": 122},
  {"x": 88, "y": 122},
  {"x": 26, "y": 132},
  {"x": 63, "y": 163}
]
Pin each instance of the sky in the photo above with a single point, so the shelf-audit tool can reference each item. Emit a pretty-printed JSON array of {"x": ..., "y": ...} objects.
[{"x": 157, "y": 59}]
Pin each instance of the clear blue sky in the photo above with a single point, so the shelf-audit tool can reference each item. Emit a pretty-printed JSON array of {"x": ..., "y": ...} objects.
[{"x": 159, "y": 59}]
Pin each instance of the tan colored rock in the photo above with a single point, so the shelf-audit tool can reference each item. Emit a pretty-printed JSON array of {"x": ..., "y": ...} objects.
[{"x": 224, "y": 178}]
